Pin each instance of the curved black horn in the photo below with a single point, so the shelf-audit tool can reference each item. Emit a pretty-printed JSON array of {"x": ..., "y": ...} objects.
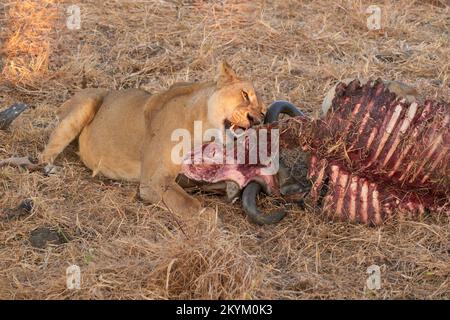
[
  {"x": 249, "y": 204},
  {"x": 278, "y": 107}
]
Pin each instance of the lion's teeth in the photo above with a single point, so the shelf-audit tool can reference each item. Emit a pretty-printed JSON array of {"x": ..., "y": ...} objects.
[{"x": 237, "y": 135}]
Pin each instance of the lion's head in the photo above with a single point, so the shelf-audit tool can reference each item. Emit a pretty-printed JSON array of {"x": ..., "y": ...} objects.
[{"x": 235, "y": 104}]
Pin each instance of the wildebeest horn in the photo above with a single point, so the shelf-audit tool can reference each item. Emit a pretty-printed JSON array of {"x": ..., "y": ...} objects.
[
  {"x": 249, "y": 204},
  {"x": 252, "y": 190},
  {"x": 279, "y": 107},
  {"x": 9, "y": 114}
]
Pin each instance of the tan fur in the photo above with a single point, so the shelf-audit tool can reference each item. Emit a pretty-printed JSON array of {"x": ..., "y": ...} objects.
[{"x": 127, "y": 134}]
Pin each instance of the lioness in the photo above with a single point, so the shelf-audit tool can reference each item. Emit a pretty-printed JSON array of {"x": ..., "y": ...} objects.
[{"x": 127, "y": 134}]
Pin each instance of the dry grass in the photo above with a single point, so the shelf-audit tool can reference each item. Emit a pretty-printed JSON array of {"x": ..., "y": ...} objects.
[
  {"x": 293, "y": 50},
  {"x": 27, "y": 41}
]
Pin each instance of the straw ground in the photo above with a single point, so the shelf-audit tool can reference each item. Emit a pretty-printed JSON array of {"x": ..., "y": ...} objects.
[{"x": 293, "y": 50}]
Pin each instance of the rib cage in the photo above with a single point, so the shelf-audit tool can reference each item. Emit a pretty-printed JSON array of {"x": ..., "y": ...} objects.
[
  {"x": 371, "y": 131},
  {"x": 357, "y": 199},
  {"x": 381, "y": 155}
]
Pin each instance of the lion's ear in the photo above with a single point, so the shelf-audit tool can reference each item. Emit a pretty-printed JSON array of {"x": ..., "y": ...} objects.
[{"x": 225, "y": 73}]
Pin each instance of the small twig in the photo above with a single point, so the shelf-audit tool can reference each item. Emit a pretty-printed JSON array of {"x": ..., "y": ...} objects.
[{"x": 175, "y": 218}]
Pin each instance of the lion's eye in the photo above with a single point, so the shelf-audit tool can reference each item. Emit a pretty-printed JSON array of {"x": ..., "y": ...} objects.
[{"x": 245, "y": 95}]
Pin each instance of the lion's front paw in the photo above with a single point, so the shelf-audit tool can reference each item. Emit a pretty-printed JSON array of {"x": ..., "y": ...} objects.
[{"x": 51, "y": 169}]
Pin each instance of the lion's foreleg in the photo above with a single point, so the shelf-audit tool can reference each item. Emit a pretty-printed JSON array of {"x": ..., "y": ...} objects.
[
  {"x": 158, "y": 180},
  {"x": 166, "y": 192}
]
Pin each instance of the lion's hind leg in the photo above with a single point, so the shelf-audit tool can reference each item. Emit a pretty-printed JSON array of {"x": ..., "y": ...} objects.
[{"x": 73, "y": 115}]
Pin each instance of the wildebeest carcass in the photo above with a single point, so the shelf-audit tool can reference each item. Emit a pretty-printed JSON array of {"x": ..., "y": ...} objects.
[{"x": 373, "y": 156}]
